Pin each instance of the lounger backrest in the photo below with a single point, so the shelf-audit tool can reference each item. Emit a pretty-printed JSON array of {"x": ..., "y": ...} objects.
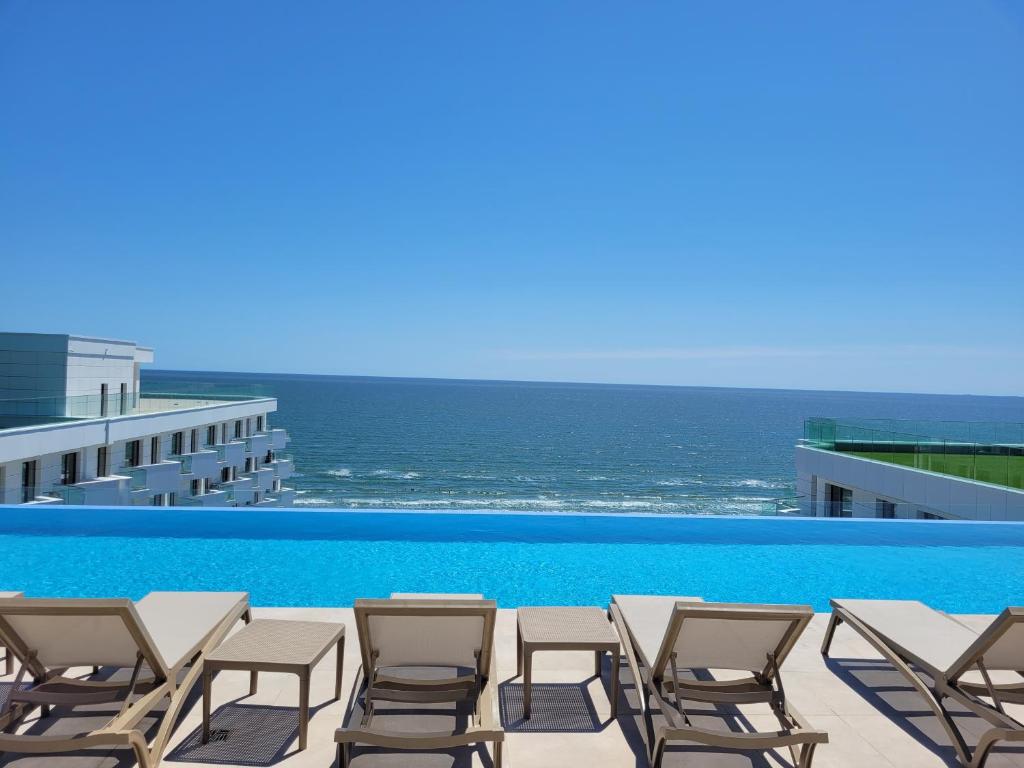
[
  {"x": 731, "y": 636},
  {"x": 421, "y": 632},
  {"x": 51, "y": 634},
  {"x": 999, "y": 647}
]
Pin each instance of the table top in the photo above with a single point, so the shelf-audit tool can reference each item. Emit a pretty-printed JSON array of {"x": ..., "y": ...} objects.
[
  {"x": 278, "y": 642},
  {"x": 556, "y": 625}
]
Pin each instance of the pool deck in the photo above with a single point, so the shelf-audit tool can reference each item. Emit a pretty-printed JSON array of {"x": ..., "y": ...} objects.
[{"x": 872, "y": 716}]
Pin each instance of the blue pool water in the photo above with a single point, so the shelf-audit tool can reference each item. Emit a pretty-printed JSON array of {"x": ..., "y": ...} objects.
[{"x": 329, "y": 558}]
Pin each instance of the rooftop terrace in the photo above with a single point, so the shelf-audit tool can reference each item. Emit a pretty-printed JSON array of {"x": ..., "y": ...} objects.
[
  {"x": 36, "y": 411},
  {"x": 988, "y": 452}
]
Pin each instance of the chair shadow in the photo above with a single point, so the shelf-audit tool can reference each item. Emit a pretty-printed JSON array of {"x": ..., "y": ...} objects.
[
  {"x": 889, "y": 692},
  {"x": 244, "y": 734}
]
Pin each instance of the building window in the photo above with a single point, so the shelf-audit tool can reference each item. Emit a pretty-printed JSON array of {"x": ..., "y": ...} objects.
[
  {"x": 124, "y": 399},
  {"x": 172, "y": 499},
  {"x": 259, "y": 423},
  {"x": 277, "y": 485},
  {"x": 154, "y": 449},
  {"x": 103, "y": 400},
  {"x": 176, "y": 443},
  {"x": 225, "y": 475},
  {"x": 29, "y": 474},
  {"x": 238, "y": 428},
  {"x": 69, "y": 469},
  {"x": 194, "y": 441},
  {"x": 840, "y": 501},
  {"x": 158, "y": 500},
  {"x": 197, "y": 487},
  {"x": 224, "y": 432},
  {"x": 885, "y": 509},
  {"x": 102, "y": 461},
  {"x": 211, "y": 435},
  {"x": 249, "y": 464},
  {"x": 133, "y": 453}
]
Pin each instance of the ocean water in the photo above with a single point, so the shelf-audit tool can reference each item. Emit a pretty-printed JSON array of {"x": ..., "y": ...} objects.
[
  {"x": 517, "y": 559},
  {"x": 366, "y": 443}
]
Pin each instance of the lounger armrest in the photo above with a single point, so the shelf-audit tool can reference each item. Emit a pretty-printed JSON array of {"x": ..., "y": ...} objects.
[
  {"x": 742, "y": 741},
  {"x": 405, "y": 740}
]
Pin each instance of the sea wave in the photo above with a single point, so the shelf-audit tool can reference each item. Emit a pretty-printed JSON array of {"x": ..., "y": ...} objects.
[
  {"x": 395, "y": 474},
  {"x": 339, "y": 472},
  {"x": 314, "y": 501}
]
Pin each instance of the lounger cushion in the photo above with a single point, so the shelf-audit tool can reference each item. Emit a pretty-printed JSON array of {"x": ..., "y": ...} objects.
[
  {"x": 932, "y": 640},
  {"x": 647, "y": 617},
  {"x": 180, "y": 622}
]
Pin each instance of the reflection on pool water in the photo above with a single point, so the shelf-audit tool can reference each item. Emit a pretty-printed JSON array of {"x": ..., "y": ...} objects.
[{"x": 329, "y": 558}]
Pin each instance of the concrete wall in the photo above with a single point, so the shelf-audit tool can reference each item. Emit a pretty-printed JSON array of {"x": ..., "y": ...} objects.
[{"x": 913, "y": 490}]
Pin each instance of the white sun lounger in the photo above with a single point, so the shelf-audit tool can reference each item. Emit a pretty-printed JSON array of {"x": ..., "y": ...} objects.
[
  {"x": 424, "y": 650},
  {"x": 934, "y": 651},
  {"x": 666, "y": 635},
  {"x": 162, "y": 639}
]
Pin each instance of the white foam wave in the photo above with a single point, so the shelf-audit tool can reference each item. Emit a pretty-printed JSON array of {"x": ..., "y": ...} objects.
[
  {"x": 394, "y": 474},
  {"x": 339, "y": 472},
  {"x": 314, "y": 501}
]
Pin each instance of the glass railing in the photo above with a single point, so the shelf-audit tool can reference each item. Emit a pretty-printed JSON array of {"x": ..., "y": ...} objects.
[
  {"x": 22, "y": 412},
  {"x": 988, "y": 452}
]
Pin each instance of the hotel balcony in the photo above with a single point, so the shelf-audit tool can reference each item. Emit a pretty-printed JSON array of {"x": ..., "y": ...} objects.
[
  {"x": 231, "y": 454},
  {"x": 214, "y": 498},
  {"x": 152, "y": 479},
  {"x": 262, "y": 478},
  {"x": 200, "y": 464},
  {"x": 282, "y": 497},
  {"x": 239, "y": 492},
  {"x": 282, "y": 464},
  {"x": 257, "y": 445},
  {"x": 278, "y": 439}
]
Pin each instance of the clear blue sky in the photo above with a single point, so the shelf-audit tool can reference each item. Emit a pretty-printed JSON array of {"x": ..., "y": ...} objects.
[{"x": 785, "y": 194}]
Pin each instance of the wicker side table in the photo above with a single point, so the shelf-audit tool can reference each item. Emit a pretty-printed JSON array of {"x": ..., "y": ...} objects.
[
  {"x": 275, "y": 645},
  {"x": 577, "y": 628}
]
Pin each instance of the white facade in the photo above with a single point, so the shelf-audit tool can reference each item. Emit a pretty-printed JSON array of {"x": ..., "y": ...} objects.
[
  {"x": 833, "y": 483},
  {"x": 74, "y": 429}
]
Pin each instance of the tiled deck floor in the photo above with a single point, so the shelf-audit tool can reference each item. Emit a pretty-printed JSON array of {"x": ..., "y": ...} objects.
[{"x": 873, "y": 718}]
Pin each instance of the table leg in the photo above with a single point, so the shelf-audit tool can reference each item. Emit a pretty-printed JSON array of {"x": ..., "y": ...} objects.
[
  {"x": 340, "y": 668},
  {"x": 597, "y": 663},
  {"x": 303, "y": 707},
  {"x": 527, "y": 680},
  {"x": 519, "y": 651},
  {"x": 207, "y": 690},
  {"x": 616, "y": 663},
  {"x": 254, "y": 677}
]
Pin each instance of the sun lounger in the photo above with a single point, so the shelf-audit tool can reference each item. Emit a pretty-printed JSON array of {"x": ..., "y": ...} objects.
[
  {"x": 424, "y": 651},
  {"x": 674, "y": 644},
  {"x": 162, "y": 639},
  {"x": 8, "y": 655},
  {"x": 934, "y": 652}
]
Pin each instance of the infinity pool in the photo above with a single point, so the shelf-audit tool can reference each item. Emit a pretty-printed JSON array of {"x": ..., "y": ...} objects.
[{"x": 329, "y": 558}]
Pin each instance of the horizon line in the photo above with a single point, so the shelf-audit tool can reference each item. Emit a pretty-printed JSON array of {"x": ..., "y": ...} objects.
[{"x": 574, "y": 383}]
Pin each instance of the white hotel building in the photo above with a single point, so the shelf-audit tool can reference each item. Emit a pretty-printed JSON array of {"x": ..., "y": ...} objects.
[
  {"x": 921, "y": 470},
  {"x": 75, "y": 429}
]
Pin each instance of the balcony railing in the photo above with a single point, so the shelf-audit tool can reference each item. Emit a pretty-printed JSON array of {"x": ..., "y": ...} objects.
[
  {"x": 22, "y": 412},
  {"x": 988, "y": 452}
]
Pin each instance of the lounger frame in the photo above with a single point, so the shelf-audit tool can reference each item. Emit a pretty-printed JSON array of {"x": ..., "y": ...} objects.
[
  {"x": 139, "y": 696},
  {"x": 375, "y": 685},
  {"x": 946, "y": 684},
  {"x": 662, "y": 679}
]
